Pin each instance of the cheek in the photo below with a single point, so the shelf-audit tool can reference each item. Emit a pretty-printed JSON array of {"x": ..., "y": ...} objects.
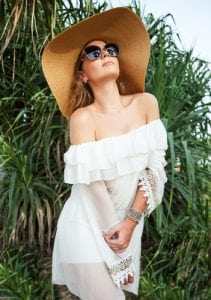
[
  {"x": 117, "y": 65},
  {"x": 90, "y": 68}
]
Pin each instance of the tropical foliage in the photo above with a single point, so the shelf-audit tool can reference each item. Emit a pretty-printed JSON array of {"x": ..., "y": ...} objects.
[{"x": 33, "y": 138}]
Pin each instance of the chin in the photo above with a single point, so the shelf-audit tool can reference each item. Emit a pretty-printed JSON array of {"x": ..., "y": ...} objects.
[
  {"x": 113, "y": 75},
  {"x": 110, "y": 75}
]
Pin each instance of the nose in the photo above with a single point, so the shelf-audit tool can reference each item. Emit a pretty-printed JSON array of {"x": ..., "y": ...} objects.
[{"x": 104, "y": 53}]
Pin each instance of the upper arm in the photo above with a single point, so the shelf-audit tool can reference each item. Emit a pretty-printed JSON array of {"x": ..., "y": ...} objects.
[
  {"x": 152, "y": 108},
  {"x": 81, "y": 127}
]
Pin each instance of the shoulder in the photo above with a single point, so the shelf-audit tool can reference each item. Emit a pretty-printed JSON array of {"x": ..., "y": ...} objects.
[
  {"x": 149, "y": 103},
  {"x": 81, "y": 126},
  {"x": 147, "y": 99},
  {"x": 81, "y": 116}
]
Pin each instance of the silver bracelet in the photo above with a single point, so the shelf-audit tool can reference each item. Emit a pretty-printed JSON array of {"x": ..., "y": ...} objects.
[{"x": 134, "y": 215}]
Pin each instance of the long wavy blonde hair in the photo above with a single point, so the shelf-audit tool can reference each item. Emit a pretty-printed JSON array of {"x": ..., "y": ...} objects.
[{"x": 82, "y": 93}]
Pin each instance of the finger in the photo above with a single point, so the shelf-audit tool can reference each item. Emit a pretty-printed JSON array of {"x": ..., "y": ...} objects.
[
  {"x": 117, "y": 250},
  {"x": 121, "y": 250},
  {"x": 115, "y": 247},
  {"x": 115, "y": 236},
  {"x": 112, "y": 234},
  {"x": 130, "y": 279},
  {"x": 108, "y": 237},
  {"x": 116, "y": 243},
  {"x": 112, "y": 242}
]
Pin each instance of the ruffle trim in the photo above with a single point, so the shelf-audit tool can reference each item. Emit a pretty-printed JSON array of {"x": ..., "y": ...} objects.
[
  {"x": 114, "y": 156},
  {"x": 120, "y": 270},
  {"x": 148, "y": 183}
]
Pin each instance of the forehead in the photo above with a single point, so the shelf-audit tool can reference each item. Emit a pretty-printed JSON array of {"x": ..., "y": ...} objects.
[{"x": 96, "y": 43}]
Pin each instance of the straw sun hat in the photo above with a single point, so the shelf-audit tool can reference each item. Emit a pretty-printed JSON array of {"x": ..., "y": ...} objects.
[{"x": 117, "y": 25}]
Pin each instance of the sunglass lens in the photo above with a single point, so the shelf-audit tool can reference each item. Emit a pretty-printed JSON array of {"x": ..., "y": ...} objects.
[
  {"x": 93, "y": 52},
  {"x": 112, "y": 49}
]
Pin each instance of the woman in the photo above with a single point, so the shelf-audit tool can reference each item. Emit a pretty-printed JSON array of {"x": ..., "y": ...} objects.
[{"x": 116, "y": 158}]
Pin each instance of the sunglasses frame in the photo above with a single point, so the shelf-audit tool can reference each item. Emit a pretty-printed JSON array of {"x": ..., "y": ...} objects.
[{"x": 93, "y": 48}]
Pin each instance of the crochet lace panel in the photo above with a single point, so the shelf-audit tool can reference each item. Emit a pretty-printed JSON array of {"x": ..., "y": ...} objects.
[
  {"x": 149, "y": 183},
  {"x": 120, "y": 270}
]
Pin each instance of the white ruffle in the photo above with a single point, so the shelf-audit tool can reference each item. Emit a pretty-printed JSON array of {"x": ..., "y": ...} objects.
[{"x": 114, "y": 156}]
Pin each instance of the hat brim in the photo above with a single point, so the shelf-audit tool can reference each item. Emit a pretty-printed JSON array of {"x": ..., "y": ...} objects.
[{"x": 117, "y": 25}]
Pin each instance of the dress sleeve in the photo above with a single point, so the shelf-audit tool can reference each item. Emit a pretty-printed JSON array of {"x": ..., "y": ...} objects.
[
  {"x": 103, "y": 205},
  {"x": 101, "y": 216},
  {"x": 153, "y": 178}
]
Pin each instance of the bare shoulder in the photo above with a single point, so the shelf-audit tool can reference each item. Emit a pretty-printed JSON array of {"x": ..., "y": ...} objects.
[
  {"x": 82, "y": 127},
  {"x": 150, "y": 105},
  {"x": 146, "y": 98}
]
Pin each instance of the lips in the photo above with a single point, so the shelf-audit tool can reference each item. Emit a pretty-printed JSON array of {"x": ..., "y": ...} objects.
[{"x": 107, "y": 63}]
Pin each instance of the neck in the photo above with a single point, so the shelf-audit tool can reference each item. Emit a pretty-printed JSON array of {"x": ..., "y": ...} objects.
[{"x": 107, "y": 97}]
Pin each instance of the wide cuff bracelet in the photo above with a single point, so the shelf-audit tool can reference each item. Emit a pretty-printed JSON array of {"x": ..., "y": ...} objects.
[{"x": 134, "y": 215}]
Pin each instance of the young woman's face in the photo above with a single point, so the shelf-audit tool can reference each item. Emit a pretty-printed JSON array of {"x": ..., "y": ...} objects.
[{"x": 105, "y": 64}]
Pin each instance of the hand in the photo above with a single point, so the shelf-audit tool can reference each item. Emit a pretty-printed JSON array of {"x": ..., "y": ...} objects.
[{"x": 118, "y": 237}]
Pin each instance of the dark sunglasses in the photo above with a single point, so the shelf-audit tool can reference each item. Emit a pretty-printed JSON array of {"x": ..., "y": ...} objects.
[{"x": 95, "y": 52}]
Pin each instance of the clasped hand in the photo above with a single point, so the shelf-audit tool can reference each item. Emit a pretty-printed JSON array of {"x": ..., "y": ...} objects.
[{"x": 118, "y": 237}]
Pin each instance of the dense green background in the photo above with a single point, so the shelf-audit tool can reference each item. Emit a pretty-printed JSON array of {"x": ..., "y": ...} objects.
[{"x": 33, "y": 138}]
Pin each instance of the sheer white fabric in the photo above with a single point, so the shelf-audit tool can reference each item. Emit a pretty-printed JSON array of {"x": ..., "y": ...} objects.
[
  {"x": 100, "y": 287},
  {"x": 105, "y": 175}
]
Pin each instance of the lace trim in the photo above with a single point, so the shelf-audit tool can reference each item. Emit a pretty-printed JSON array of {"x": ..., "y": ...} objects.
[
  {"x": 148, "y": 183},
  {"x": 120, "y": 270}
]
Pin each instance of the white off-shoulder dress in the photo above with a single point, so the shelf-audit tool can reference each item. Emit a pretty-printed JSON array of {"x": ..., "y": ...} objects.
[{"x": 105, "y": 175}]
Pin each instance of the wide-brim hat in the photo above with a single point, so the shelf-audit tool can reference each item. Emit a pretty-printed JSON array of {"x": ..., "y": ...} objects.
[{"x": 118, "y": 25}]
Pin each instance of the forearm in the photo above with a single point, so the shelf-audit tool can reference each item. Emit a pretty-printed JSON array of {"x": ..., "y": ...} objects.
[
  {"x": 150, "y": 186},
  {"x": 119, "y": 236},
  {"x": 140, "y": 201},
  {"x": 103, "y": 204},
  {"x": 139, "y": 204}
]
